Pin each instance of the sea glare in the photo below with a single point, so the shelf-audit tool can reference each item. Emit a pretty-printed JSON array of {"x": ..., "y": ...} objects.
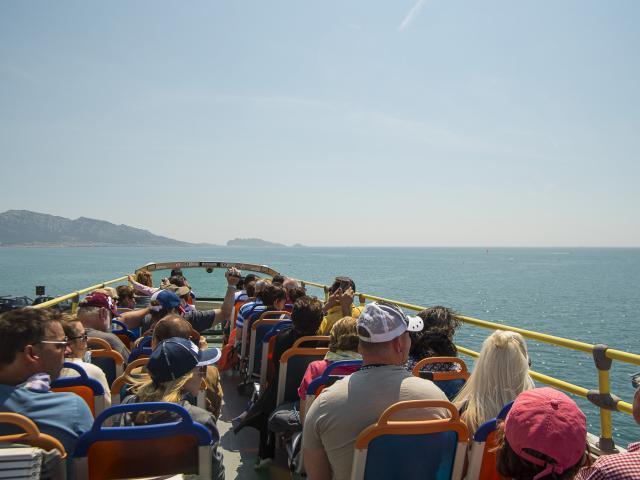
[{"x": 592, "y": 295}]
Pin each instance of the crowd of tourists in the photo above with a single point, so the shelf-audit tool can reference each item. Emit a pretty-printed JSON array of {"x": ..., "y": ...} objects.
[{"x": 543, "y": 435}]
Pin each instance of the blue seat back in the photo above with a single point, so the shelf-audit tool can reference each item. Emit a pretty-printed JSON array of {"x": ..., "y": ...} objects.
[
  {"x": 450, "y": 387},
  {"x": 411, "y": 457}
]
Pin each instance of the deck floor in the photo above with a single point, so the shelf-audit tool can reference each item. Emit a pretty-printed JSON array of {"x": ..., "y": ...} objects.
[{"x": 240, "y": 451}]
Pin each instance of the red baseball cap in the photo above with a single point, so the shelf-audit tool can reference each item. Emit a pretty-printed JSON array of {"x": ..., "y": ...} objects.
[
  {"x": 97, "y": 299},
  {"x": 547, "y": 421}
]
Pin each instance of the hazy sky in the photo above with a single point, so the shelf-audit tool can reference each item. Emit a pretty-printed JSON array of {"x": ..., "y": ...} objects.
[{"x": 399, "y": 122}]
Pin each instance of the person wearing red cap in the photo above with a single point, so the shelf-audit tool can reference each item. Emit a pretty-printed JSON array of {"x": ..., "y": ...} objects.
[
  {"x": 95, "y": 313},
  {"x": 620, "y": 466},
  {"x": 545, "y": 437}
]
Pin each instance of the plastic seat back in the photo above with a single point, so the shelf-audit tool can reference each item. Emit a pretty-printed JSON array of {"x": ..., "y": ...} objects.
[
  {"x": 315, "y": 340},
  {"x": 123, "y": 333},
  {"x": 259, "y": 329},
  {"x": 110, "y": 364},
  {"x": 89, "y": 389},
  {"x": 293, "y": 365},
  {"x": 30, "y": 434},
  {"x": 268, "y": 344},
  {"x": 482, "y": 455},
  {"x": 327, "y": 378},
  {"x": 450, "y": 382},
  {"x": 142, "y": 451},
  {"x": 412, "y": 449},
  {"x": 120, "y": 384},
  {"x": 139, "y": 352}
]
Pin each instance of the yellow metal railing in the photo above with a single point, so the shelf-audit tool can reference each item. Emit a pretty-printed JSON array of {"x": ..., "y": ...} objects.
[
  {"x": 75, "y": 296},
  {"x": 602, "y": 356}
]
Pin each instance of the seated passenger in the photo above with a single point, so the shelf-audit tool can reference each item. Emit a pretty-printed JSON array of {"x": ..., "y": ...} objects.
[
  {"x": 165, "y": 302},
  {"x": 32, "y": 349},
  {"x": 305, "y": 318},
  {"x": 350, "y": 405},
  {"x": 339, "y": 304},
  {"x": 126, "y": 297},
  {"x": 617, "y": 466},
  {"x": 272, "y": 298},
  {"x": 545, "y": 437},
  {"x": 500, "y": 374},
  {"x": 175, "y": 326},
  {"x": 241, "y": 294},
  {"x": 247, "y": 309},
  {"x": 175, "y": 368},
  {"x": 95, "y": 313},
  {"x": 79, "y": 354},
  {"x": 435, "y": 340},
  {"x": 343, "y": 345}
]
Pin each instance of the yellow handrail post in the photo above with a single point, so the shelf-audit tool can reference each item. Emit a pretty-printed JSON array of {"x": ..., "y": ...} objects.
[
  {"x": 603, "y": 399},
  {"x": 74, "y": 303},
  {"x": 362, "y": 299}
]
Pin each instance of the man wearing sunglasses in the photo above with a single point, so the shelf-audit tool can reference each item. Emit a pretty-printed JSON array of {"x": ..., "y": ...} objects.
[{"x": 32, "y": 350}]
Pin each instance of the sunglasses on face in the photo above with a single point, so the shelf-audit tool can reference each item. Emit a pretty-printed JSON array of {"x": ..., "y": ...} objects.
[{"x": 84, "y": 337}]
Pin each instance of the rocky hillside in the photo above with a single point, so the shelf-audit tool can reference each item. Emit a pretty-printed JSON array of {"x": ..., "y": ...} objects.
[{"x": 22, "y": 227}]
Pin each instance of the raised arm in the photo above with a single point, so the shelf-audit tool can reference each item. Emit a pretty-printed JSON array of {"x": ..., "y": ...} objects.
[{"x": 223, "y": 314}]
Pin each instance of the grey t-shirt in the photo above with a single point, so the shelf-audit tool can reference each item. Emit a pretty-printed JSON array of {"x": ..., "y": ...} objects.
[{"x": 350, "y": 405}]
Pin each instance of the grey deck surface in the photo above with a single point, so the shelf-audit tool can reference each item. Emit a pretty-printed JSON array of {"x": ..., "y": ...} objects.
[{"x": 240, "y": 451}]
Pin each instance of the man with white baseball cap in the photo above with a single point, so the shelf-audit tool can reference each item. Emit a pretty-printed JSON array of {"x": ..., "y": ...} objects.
[{"x": 350, "y": 405}]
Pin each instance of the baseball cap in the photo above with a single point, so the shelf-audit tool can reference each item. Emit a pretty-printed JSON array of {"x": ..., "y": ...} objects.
[
  {"x": 547, "y": 421},
  {"x": 99, "y": 299},
  {"x": 176, "y": 357},
  {"x": 382, "y": 322},
  {"x": 166, "y": 298}
]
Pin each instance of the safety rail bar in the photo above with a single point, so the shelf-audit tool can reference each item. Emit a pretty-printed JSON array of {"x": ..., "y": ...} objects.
[
  {"x": 75, "y": 296},
  {"x": 602, "y": 356}
]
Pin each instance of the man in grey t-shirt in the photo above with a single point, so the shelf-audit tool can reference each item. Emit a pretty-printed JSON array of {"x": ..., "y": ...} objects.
[{"x": 346, "y": 408}]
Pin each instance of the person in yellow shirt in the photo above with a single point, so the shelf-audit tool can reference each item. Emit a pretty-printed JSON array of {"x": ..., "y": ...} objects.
[{"x": 339, "y": 304}]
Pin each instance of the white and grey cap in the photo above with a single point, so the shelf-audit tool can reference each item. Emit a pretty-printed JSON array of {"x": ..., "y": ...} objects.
[{"x": 382, "y": 322}]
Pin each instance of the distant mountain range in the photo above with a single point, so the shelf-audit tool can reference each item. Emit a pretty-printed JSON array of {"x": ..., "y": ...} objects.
[
  {"x": 26, "y": 228},
  {"x": 23, "y": 227}
]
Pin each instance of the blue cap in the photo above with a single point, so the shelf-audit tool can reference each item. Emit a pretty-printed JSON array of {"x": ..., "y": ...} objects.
[
  {"x": 176, "y": 357},
  {"x": 166, "y": 298}
]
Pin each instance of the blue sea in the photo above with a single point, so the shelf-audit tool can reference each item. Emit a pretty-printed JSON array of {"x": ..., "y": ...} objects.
[{"x": 592, "y": 295}]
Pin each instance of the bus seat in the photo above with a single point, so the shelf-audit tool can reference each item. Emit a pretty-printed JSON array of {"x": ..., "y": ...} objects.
[
  {"x": 139, "y": 352},
  {"x": 293, "y": 365},
  {"x": 123, "y": 333},
  {"x": 119, "y": 385},
  {"x": 258, "y": 330},
  {"x": 146, "y": 450},
  {"x": 327, "y": 378},
  {"x": 89, "y": 389},
  {"x": 268, "y": 343},
  {"x": 318, "y": 341},
  {"x": 109, "y": 361},
  {"x": 412, "y": 449},
  {"x": 482, "y": 454},
  {"x": 449, "y": 382},
  {"x": 30, "y": 435}
]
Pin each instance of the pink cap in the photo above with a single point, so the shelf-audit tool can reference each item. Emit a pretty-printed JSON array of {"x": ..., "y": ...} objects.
[{"x": 549, "y": 422}]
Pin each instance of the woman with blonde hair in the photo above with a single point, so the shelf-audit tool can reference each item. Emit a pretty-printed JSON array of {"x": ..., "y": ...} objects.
[
  {"x": 500, "y": 374},
  {"x": 175, "y": 368}
]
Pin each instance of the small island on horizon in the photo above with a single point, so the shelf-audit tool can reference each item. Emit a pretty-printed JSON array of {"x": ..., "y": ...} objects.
[{"x": 252, "y": 242}]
